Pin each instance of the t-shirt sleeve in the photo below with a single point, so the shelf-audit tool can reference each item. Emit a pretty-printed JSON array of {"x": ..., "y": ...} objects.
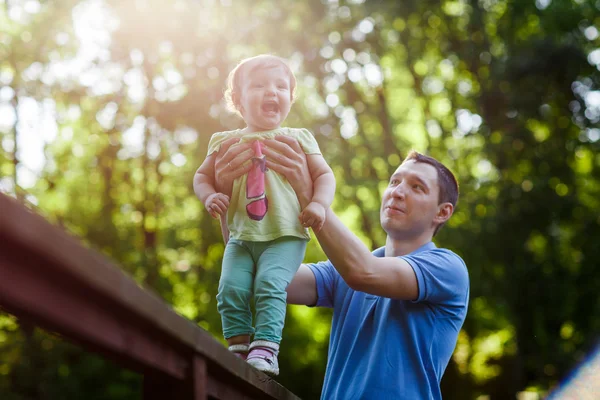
[
  {"x": 216, "y": 140},
  {"x": 326, "y": 277},
  {"x": 307, "y": 141},
  {"x": 442, "y": 277}
]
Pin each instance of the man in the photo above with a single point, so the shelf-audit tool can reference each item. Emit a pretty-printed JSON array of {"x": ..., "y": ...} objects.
[{"x": 397, "y": 310}]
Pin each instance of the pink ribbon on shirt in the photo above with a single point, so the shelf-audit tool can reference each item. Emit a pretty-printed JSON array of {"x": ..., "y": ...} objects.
[{"x": 255, "y": 185}]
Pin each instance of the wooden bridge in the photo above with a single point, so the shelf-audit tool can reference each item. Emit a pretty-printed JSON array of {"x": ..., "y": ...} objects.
[{"x": 50, "y": 279}]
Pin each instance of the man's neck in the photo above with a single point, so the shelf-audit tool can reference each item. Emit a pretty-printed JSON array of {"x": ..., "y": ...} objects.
[{"x": 401, "y": 247}]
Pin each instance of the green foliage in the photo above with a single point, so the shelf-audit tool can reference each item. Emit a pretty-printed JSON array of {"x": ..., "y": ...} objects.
[
  {"x": 37, "y": 365},
  {"x": 120, "y": 98}
]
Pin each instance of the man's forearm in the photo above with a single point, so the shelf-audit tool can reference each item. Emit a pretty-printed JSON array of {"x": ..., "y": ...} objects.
[
  {"x": 345, "y": 251},
  {"x": 304, "y": 196},
  {"x": 390, "y": 277}
]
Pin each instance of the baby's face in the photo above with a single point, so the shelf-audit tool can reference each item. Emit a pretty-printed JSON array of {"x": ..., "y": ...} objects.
[{"x": 266, "y": 98}]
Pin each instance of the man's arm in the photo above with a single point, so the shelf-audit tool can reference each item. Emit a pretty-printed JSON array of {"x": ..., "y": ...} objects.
[
  {"x": 389, "y": 276},
  {"x": 303, "y": 288},
  {"x": 229, "y": 164},
  {"x": 381, "y": 276}
]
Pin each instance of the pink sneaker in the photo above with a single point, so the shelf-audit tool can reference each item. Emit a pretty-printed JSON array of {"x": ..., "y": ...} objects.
[
  {"x": 263, "y": 356},
  {"x": 240, "y": 350}
]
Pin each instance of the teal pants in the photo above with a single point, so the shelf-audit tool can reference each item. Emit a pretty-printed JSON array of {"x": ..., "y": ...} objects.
[{"x": 262, "y": 269}]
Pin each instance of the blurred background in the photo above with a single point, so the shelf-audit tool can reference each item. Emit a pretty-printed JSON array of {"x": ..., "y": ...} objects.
[{"x": 106, "y": 109}]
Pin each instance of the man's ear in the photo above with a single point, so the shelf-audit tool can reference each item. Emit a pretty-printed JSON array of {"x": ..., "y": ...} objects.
[{"x": 444, "y": 213}]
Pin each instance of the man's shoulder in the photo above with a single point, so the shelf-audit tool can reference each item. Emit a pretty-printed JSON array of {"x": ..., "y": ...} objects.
[
  {"x": 323, "y": 269},
  {"x": 429, "y": 251},
  {"x": 442, "y": 275},
  {"x": 447, "y": 254}
]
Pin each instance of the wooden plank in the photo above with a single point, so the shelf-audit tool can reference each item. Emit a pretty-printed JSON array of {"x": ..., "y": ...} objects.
[
  {"x": 56, "y": 304},
  {"x": 199, "y": 379},
  {"x": 49, "y": 277},
  {"x": 29, "y": 232}
]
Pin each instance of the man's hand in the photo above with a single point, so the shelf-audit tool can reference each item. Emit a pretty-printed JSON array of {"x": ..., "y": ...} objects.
[
  {"x": 285, "y": 156},
  {"x": 231, "y": 163},
  {"x": 217, "y": 204},
  {"x": 313, "y": 216}
]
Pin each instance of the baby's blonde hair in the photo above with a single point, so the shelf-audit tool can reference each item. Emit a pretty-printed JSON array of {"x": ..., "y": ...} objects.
[{"x": 234, "y": 80}]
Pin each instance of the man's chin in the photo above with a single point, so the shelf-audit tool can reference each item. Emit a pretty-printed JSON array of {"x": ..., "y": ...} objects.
[
  {"x": 395, "y": 219},
  {"x": 390, "y": 226},
  {"x": 398, "y": 229}
]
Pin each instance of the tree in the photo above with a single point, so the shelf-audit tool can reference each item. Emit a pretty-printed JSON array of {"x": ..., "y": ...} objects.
[{"x": 504, "y": 92}]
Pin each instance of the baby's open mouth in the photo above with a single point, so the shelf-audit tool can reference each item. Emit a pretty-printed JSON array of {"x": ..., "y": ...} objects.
[{"x": 270, "y": 107}]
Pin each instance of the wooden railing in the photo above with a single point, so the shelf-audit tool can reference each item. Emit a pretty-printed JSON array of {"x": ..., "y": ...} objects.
[{"x": 49, "y": 278}]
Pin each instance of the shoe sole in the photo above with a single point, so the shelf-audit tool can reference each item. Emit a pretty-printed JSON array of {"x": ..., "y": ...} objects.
[
  {"x": 269, "y": 372},
  {"x": 266, "y": 371}
]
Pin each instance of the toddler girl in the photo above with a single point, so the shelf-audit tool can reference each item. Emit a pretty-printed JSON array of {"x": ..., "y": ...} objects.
[{"x": 267, "y": 238}]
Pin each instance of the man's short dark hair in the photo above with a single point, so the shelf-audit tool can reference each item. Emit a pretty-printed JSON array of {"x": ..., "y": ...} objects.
[{"x": 446, "y": 180}]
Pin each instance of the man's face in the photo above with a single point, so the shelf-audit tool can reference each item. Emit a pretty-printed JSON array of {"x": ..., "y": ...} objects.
[{"x": 410, "y": 202}]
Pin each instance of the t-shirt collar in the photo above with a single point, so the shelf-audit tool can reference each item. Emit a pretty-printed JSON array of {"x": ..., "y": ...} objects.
[
  {"x": 425, "y": 247},
  {"x": 380, "y": 252}
]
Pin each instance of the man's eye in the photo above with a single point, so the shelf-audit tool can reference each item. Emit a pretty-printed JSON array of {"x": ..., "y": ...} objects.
[
  {"x": 394, "y": 182},
  {"x": 418, "y": 187}
]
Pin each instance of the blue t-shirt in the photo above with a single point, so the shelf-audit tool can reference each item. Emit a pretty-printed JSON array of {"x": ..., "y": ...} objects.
[{"x": 382, "y": 348}]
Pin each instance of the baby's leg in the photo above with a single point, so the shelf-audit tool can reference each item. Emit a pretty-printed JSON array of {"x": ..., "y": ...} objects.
[
  {"x": 276, "y": 268},
  {"x": 235, "y": 292}
]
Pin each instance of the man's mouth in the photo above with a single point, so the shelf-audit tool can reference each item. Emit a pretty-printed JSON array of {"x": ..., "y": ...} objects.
[{"x": 395, "y": 209}]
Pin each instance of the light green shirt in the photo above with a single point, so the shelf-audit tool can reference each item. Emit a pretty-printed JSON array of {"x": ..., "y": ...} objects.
[{"x": 281, "y": 218}]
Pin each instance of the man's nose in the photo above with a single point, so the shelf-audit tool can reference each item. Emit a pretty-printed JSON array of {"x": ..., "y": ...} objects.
[{"x": 399, "y": 191}]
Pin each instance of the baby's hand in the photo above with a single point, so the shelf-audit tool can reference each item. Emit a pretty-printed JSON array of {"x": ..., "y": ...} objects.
[
  {"x": 313, "y": 215},
  {"x": 217, "y": 204}
]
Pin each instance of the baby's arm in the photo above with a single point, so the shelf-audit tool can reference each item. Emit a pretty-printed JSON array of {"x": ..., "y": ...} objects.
[
  {"x": 313, "y": 214},
  {"x": 216, "y": 203}
]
